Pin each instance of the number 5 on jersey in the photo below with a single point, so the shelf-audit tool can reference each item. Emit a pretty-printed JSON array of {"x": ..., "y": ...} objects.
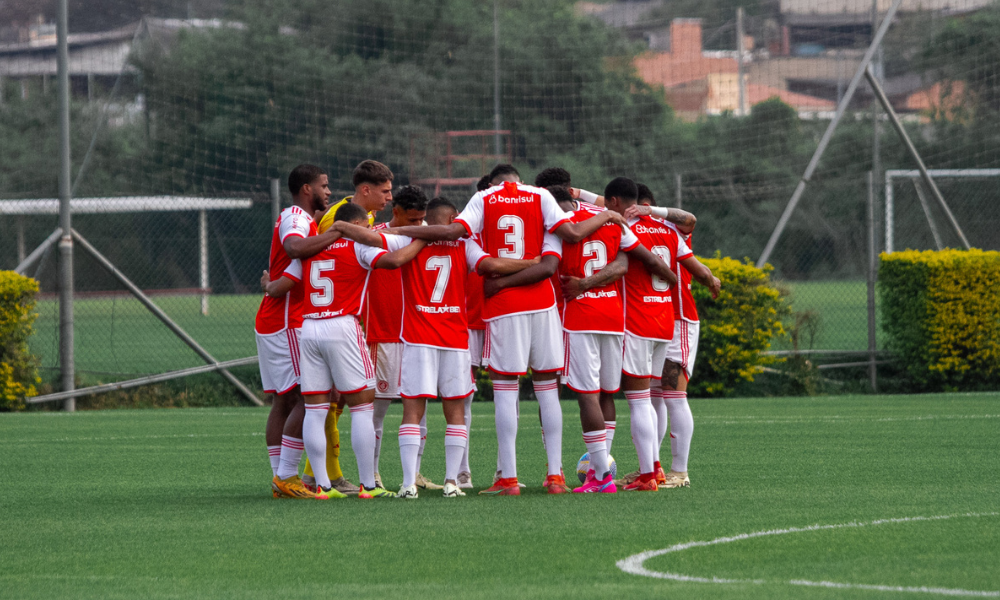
[{"x": 324, "y": 297}]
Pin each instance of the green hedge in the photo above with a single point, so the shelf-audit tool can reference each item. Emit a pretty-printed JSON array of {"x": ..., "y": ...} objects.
[
  {"x": 18, "y": 368},
  {"x": 941, "y": 314},
  {"x": 736, "y": 327}
]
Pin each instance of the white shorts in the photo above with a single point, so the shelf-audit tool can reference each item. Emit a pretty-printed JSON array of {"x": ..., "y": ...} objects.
[
  {"x": 683, "y": 349},
  {"x": 593, "y": 362},
  {"x": 643, "y": 357},
  {"x": 334, "y": 356},
  {"x": 387, "y": 359},
  {"x": 516, "y": 342},
  {"x": 431, "y": 372},
  {"x": 476, "y": 337},
  {"x": 278, "y": 357}
]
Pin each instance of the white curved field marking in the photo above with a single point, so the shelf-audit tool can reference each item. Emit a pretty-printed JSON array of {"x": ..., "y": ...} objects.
[{"x": 634, "y": 564}]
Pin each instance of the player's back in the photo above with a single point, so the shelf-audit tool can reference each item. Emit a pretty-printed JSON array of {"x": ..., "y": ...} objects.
[
  {"x": 336, "y": 279},
  {"x": 649, "y": 309},
  {"x": 276, "y": 314},
  {"x": 434, "y": 290},
  {"x": 383, "y": 312},
  {"x": 684, "y": 305}
]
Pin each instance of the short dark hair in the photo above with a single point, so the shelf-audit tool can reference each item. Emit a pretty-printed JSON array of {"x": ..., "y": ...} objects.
[
  {"x": 645, "y": 193},
  {"x": 484, "y": 183},
  {"x": 501, "y": 170},
  {"x": 410, "y": 197},
  {"x": 350, "y": 212},
  {"x": 552, "y": 176},
  {"x": 441, "y": 202},
  {"x": 560, "y": 193},
  {"x": 621, "y": 187},
  {"x": 303, "y": 175},
  {"x": 371, "y": 171}
]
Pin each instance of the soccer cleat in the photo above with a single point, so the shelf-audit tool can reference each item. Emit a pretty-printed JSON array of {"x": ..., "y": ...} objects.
[
  {"x": 498, "y": 476},
  {"x": 309, "y": 481},
  {"x": 409, "y": 493},
  {"x": 344, "y": 486},
  {"x": 661, "y": 477},
  {"x": 503, "y": 487},
  {"x": 630, "y": 478},
  {"x": 427, "y": 484},
  {"x": 452, "y": 490},
  {"x": 556, "y": 484},
  {"x": 597, "y": 486},
  {"x": 676, "y": 479},
  {"x": 375, "y": 492},
  {"x": 645, "y": 483},
  {"x": 331, "y": 493},
  {"x": 464, "y": 480},
  {"x": 378, "y": 480},
  {"x": 293, "y": 488}
]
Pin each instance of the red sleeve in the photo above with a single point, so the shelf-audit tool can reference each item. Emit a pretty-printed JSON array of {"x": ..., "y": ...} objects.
[
  {"x": 478, "y": 262},
  {"x": 633, "y": 246},
  {"x": 378, "y": 258},
  {"x": 556, "y": 226},
  {"x": 468, "y": 230},
  {"x": 689, "y": 255}
]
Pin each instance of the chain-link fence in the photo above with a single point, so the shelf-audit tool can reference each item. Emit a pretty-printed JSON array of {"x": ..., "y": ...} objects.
[{"x": 718, "y": 109}]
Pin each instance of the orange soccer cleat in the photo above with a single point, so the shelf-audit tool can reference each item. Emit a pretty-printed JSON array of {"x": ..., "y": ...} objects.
[{"x": 506, "y": 486}]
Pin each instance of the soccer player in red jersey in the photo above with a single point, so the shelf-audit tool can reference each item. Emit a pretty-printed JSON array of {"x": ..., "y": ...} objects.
[
  {"x": 523, "y": 325},
  {"x": 383, "y": 319},
  {"x": 649, "y": 322},
  {"x": 678, "y": 367},
  {"x": 333, "y": 350},
  {"x": 436, "y": 342}
]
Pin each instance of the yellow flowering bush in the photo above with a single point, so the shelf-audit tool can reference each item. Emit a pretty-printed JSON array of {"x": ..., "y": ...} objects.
[
  {"x": 18, "y": 368},
  {"x": 737, "y": 327},
  {"x": 941, "y": 311}
]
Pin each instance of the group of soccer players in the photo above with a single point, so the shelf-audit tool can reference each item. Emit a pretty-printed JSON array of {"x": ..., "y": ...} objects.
[{"x": 525, "y": 278}]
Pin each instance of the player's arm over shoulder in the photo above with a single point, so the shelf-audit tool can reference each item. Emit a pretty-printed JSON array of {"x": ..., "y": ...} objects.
[{"x": 402, "y": 250}]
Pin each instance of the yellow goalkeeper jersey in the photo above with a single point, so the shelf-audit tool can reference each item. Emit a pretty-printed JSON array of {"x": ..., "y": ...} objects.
[{"x": 327, "y": 219}]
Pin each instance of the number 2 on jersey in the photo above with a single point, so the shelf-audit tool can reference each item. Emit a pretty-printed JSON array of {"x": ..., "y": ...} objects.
[
  {"x": 514, "y": 238},
  {"x": 441, "y": 264},
  {"x": 599, "y": 252},
  {"x": 664, "y": 253},
  {"x": 325, "y": 296}
]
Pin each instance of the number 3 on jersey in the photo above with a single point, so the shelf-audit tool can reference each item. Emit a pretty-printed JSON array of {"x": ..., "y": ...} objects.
[
  {"x": 664, "y": 253},
  {"x": 316, "y": 279},
  {"x": 514, "y": 238},
  {"x": 441, "y": 264}
]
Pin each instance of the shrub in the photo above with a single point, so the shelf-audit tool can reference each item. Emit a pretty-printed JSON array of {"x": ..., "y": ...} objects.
[
  {"x": 737, "y": 327},
  {"x": 18, "y": 368},
  {"x": 941, "y": 313}
]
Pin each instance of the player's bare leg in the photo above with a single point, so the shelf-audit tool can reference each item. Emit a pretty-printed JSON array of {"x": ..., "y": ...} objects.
[
  {"x": 675, "y": 384},
  {"x": 281, "y": 407},
  {"x": 643, "y": 432}
]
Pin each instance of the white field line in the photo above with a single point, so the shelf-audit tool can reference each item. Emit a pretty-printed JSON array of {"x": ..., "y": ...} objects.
[
  {"x": 133, "y": 438},
  {"x": 634, "y": 565},
  {"x": 750, "y": 420}
]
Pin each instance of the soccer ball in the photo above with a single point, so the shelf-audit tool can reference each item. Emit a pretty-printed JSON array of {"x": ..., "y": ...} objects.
[{"x": 584, "y": 465}]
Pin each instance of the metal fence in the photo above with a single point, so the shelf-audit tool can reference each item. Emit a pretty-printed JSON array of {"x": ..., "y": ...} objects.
[{"x": 764, "y": 121}]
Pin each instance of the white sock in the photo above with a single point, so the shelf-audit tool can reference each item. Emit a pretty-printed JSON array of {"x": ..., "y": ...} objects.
[
  {"x": 660, "y": 414},
  {"x": 643, "y": 433},
  {"x": 363, "y": 442},
  {"x": 378, "y": 421},
  {"x": 291, "y": 454},
  {"x": 597, "y": 447},
  {"x": 681, "y": 428},
  {"x": 464, "y": 467},
  {"x": 609, "y": 431},
  {"x": 456, "y": 438},
  {"x": 547, "y": 393},
  {"x": 274, "y": 454},
  {"x": 314, "y": 438},
  {"x": 409, "y": 442},
  {"x": 423, "y": 437},
  {"x": 505, "y": 409}
]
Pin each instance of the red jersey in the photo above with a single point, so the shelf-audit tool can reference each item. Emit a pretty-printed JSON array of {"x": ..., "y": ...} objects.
[
  {"x": 598, "y": 310},
  {"x": 684, "y": 306},
  {"x": 648, "y": 299},
  {"x": 277, "y": 314},
  {"x": 474, "y": 297},
  {"x": 336, "y": 279},
  {"x": 383, "y": 314},
  {"x": 434, "y": 289},
  {"x": 513, "y": 219}
]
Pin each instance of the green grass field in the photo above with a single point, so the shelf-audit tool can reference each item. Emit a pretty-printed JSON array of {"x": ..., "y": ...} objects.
[
  {"x": 119, "y": 336},
  {"x": 175, "y": 504}
]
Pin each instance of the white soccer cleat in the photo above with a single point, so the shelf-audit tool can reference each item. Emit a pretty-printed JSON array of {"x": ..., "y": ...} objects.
[
  {"x": 675, "y": 479},
  {"x": 465, "y": 480},
  {"x": 451, "y": 490},
  {"x": 408, "y": 493}
]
